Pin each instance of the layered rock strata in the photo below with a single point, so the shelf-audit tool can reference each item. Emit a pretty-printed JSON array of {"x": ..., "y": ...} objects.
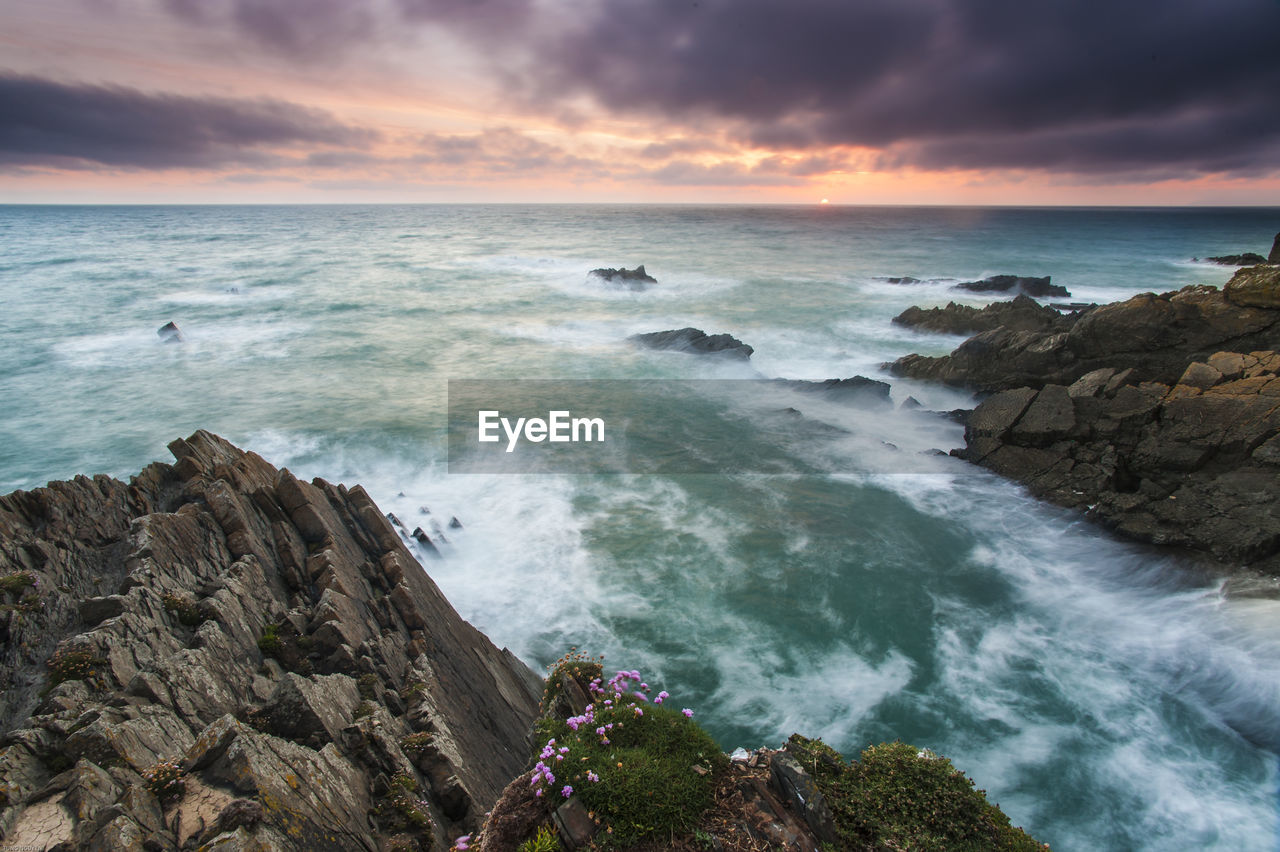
[{"x": 219, "y": 655}]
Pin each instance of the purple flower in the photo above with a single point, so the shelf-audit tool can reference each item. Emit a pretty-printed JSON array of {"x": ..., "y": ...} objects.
[
  {"x": 567, "y": 791},
  {"x": 592, "y": 777},
  {"x": 639, "y": 712},
  {"x": 688, "y": 714},
  {"x": 641, "y": 696},
  {"x": 538, "y": 792},
  {"x": 462, "y": 843}
]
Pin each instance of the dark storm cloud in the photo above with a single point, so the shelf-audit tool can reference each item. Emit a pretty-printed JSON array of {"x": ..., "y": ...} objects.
[
  {"x": 1089, "y": 85},
  {"x": 80, "y": 126},
  {"x": 302, "y": 29}
]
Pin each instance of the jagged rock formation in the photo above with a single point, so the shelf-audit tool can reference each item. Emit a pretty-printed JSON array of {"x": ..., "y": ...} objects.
[
  {"x": 1028, "y": 285},
  {"x": 1021, "y": 314},
  {"x": 220, "y": 655},
  {"x": 633, "y": 279},
  {"x": 1274, "y": 256},
  {"x": 694, "y": 340},
  {"x": 1193, "y": 464},
  {"x": 1156, "y": 335}
]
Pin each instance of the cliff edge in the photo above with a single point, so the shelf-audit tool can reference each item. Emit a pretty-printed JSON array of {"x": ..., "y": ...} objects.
[{"x": 219, "y": 655}]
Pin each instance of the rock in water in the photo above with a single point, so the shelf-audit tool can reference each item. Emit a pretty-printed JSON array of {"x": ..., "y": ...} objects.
[
  {"x": 268, "y": 639},
  {"x": 634, "y": 279},
  {"x": 1249, "y": 258},
  {"x": 1004, "y": 283},
  {"x": 694, "y": 340},
  {"x": 170, "y": 333},
  {"x": 855, "y": 390},
  {"x": 1021, "y": 314}
]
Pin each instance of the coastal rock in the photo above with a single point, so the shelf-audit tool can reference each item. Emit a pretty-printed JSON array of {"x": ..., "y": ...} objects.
[
  {"x": 1155, "y": 335},
  {"x": 170, "y": 333},
  {"x": 1031, "y": 286},
  {"x": 632, "y": 279},
  {"x": 1274, "y": 256},
  {"x": 1190, "y": 464},
  {"x": 1021, "y": 314},
  {"x": 271, "y": 639},
  {"x": 1249, "y": 258},
  {"x": 855, "y": 390},
  {"x": 695, "y": 341},
  {"x": 1255, "y": 287}
]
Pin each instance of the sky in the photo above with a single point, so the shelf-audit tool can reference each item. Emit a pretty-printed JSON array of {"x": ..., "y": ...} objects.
[{"x": 684, "y": 101}]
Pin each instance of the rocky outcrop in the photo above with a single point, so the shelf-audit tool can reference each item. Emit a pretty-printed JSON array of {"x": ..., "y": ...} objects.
[
  {"x": 694, "y": 340},
  {"x": 1021, "y": 314},
  {"x": 1255, "y": 287},
  {"x": 218, "y": 654},
  {"x": 170, "y": 333},
  {"x": 1155, "y": 335},
  {"x": 632, "y": 279},
  {"x": 1004, "y": 283},
  {"x": 1274, "y": 256},
  {"x": 855, "y": 390},
  {"x": 1249, "y": 258},
  {"x": 1193, "y": 463}
]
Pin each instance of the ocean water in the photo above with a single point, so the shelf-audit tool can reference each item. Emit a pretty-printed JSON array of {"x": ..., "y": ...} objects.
[{"x": 1105, "y": 696}]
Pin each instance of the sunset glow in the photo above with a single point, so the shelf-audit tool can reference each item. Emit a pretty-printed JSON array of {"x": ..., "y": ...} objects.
[{"x": 931, "y": 102}]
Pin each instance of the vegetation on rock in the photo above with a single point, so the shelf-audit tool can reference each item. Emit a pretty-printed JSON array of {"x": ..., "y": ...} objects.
[{"x": 900, "y": 797}]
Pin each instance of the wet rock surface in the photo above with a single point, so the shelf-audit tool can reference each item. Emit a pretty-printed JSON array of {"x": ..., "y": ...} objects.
[
  {"x": 632, "y": 279},
  {"x": 271, "y": 641},
  {"x": 1028, "y": 285},
  {"x": 1155, "y": 335},
  {"x": 695, "y": 341},
  {"x": 1194, "y": 463},
  {"x": 1021, "y": 314}
]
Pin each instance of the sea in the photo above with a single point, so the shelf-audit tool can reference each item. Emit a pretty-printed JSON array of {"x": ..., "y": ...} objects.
[{"x": 828, "y": 572}]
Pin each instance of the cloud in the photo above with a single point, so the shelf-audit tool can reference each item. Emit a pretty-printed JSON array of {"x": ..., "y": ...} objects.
[
  {"x": 302, "y": 29},
  {"x": 43, "y": 122},
  {"x": 1090, "y": 85}
]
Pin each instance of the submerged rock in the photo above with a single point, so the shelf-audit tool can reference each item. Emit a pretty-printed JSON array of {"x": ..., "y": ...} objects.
[
  {"x": 634, "y": 279},
  {"x": 1004, "y": 283},
  {"x": 268, "y": 643},
  {"x": 170, "y": 333},
  {"x": 694, "y": 340}
]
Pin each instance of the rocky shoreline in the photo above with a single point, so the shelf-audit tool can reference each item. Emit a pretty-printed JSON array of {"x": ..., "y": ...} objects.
[
  {"x": 1158, "y": 416},
  {"x": 219, "y": 655}
]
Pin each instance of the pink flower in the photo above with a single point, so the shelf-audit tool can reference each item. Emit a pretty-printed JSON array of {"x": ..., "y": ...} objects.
[
  {"x": 462, "y": 843},
  {"x": 567, "y": 791},
  {"x": 592, "y": 777},
  {"x": 538, "y": 792},
  {"x": 688, "y": 714},
  {"x": 639, "y": 712}
]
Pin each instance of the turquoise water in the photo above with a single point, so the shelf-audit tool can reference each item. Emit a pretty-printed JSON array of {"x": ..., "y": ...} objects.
[{"x": 1106, "y": 698}]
